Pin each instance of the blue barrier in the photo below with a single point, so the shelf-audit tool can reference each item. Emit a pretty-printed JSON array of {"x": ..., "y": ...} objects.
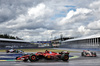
[
  {"x": 7, "y": 58},
  {"x": 14, "y": 55},
  {"x": 11, "y": 56}
]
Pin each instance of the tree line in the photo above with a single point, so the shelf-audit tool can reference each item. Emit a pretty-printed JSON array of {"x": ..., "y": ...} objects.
[{"x": 9, "y": 37}]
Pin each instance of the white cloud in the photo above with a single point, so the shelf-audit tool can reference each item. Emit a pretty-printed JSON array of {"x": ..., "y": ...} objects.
[
  {"x": 83, "y": 31},
  {"x": 20, "y": 21},
  {"x": 95, "y": 4},
  {"x": 39, "y": 10},
  {"x": 47, "y": 32},
  {"x": 36, "y": 16},
  {"x": 94, "y": 25},
  {"x": 70, "y": 14},
  {"x": 96, "y": 9},
  {"x": 36, "y": 11}
]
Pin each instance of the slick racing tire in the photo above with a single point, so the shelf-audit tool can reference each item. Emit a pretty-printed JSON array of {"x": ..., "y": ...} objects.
[
  {"x": 65, "y": 57},
  {"x": 82, "y": 54},
  {"x": 17, "y": 57},
  {"x": 7, "y": 51},
  {"x": 95, "y": 54},
  {"x": 25, "y": 60},
  {"x": 33, "y": 58}
]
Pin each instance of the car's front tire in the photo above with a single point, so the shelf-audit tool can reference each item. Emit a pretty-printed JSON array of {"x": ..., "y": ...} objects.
[
  {"x": 25, "y": 60},
  {"x": 33, "y": 58}
]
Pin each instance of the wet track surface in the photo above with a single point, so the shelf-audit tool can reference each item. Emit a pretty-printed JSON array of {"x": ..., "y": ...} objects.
[{"x": 81, "y": 61}]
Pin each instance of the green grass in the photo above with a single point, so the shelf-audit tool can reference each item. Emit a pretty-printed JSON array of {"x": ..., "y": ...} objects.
[
  {"x": 40, "y": 50},
  {"x": 2, "y": 50}
]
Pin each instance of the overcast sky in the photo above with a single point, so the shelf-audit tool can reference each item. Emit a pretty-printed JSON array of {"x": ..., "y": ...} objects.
[{"x": 36, "y": 20}]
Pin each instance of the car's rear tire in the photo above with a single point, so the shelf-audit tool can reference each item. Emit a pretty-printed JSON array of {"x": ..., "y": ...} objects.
[
  {"x": 33, "y": 58},
  {"x": 82, "y": 54},
  {"x": 17, "y": 51},
  {"x": 95, "y": 54},
  {"x": 7, "y": 51},
  {"x": 65, "y": 57}
]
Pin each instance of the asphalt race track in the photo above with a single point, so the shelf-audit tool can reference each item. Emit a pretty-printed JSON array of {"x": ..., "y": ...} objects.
[{"x": 78, "y": 61}]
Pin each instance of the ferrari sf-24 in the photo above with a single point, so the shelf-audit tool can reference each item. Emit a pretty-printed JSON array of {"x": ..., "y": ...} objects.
[{"x": 48, "y": 55}]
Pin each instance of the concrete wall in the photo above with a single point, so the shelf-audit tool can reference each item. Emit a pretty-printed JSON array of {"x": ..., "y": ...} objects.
[
  {"x": 85, "y": 43},
  {"x": 14, "y": 44}
]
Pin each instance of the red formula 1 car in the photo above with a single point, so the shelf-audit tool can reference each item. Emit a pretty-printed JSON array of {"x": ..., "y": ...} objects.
[
  {"x": 48, "y": 55},
  {"x": 87, "y": 53}
]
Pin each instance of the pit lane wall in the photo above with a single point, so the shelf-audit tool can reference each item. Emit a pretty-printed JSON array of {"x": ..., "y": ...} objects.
[{"x": 83, "y": 42}]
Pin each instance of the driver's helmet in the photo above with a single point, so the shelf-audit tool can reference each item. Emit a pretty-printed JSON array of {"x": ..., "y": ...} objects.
[
  {"x": 46, "y": 51},
  {"x": 50, "y": 52}
]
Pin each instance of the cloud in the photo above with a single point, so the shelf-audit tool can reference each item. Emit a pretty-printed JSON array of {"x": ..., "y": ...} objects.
[
  {"x": 83, "y": 31},
  {"x": 37, "y": 11},
  {"x": 95, "y": 4},
  {"x": 79, "y": 11},
  {"x": 94, "y": 25},
  {"x": 11, "y": 9},
  {"x": 35, "y": 20}
]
